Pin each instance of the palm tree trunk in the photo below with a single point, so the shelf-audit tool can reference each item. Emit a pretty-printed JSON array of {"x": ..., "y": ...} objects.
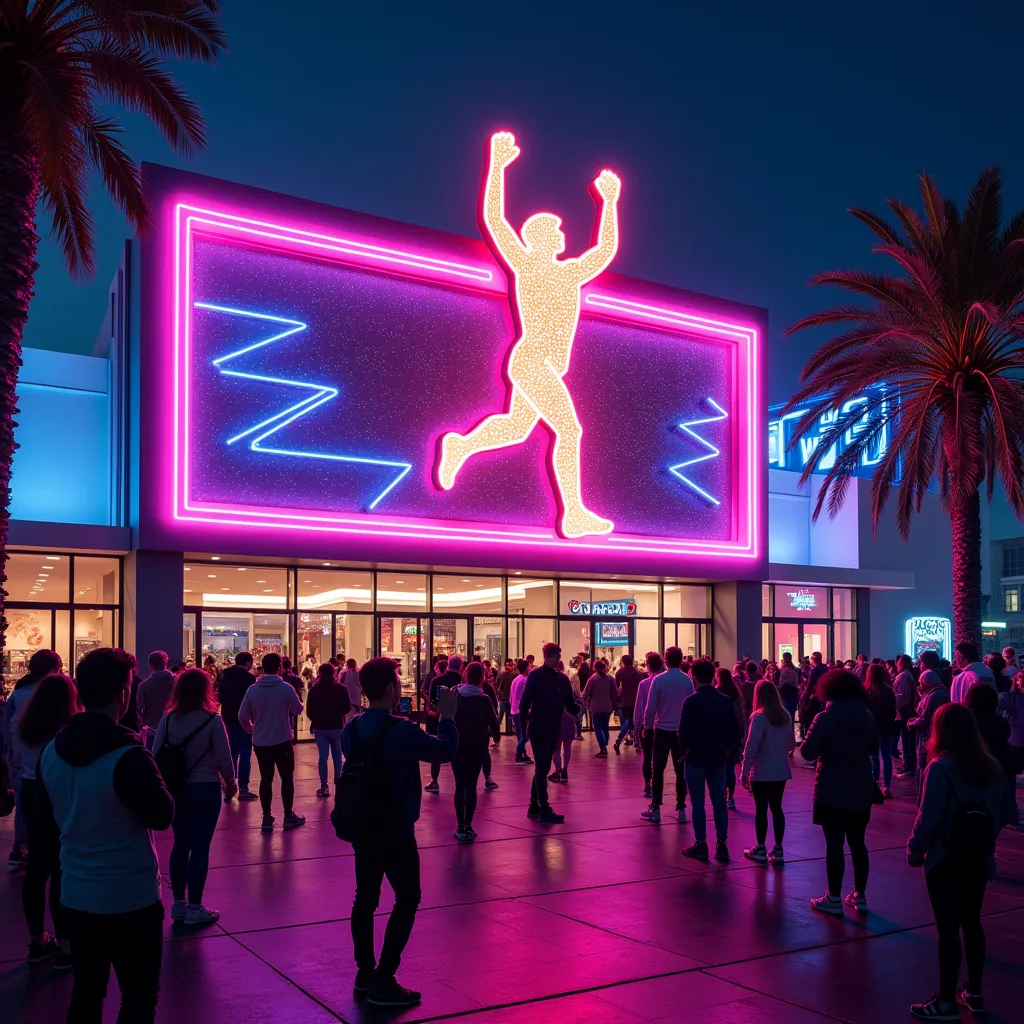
[
  {"x": 965, "y": 518},
  {"x": 19, "y": 193}
]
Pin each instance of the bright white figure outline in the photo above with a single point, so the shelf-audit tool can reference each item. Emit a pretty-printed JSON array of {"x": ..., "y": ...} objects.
[{"x": 546, "y": 304}]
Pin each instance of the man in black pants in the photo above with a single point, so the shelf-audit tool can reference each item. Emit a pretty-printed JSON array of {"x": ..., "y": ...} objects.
[
  {"x": 547, "y": 694},
  {"x": 449, "y": 675}
]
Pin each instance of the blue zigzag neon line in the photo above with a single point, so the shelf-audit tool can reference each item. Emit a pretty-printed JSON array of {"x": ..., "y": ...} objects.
[
  {"x": 711, "y": 453},
  {"x": 321, "y": 393}
]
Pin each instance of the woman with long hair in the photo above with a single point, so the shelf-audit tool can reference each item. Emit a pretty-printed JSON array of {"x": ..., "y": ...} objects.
[
  {"x": 47, "y": 711},
  {"x": 842, "y": 739},
  {"x": 192, "y": 724},
  {"x": 327, "y": 708},
  {"x": 725, "y": 682},
  {"x": 766, "y": 770},
  {"x": 655, "y": 666},
  {"x": 953, "y": 839},
  {"x": 601, "y": 696},
  {"x": 882, "y": 704}
]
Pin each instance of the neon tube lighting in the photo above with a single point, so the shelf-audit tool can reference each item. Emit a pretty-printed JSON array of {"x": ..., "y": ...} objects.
[{"x": 711, "y": 453}]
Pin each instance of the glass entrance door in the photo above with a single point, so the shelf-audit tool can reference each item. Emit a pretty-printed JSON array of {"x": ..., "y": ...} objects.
[
  {"x": 814, "y": 637},
  {"x": 691, "y": 637},
  {"x": 403, "y": 639},
  {"x": 612, "y": 639}
]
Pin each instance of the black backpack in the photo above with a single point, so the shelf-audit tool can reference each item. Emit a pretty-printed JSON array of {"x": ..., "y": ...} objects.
[
  {"x": 365, "y": 804},
  {"x": 972, "y": 832},
  {"x": 170, "y": 758}
]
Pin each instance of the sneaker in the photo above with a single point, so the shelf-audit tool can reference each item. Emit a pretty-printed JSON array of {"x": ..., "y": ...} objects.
[
  {"x": 721, "y": 852},
  {"x": 323, "y": 790},
  {"x": 268, "y": 823},
  {"x": 387, "y": 992},
  {"x": 565, "y": 775},
  {"x": 776, "y": 856},
  {"x": 40, "y": 952},
  {"x": 731, "y": 803},
  {"x": 858, "y": 901},
  {"x": 246, "y": 795},
  {"x": 459, "y": 835},
  {"x": 555, "y": 776},
  {"x": 16, "y": 861},
  {"x": 293, "y": 820},
  {"x": 527, "y": 759},
  {"x": 197, "y": 914},
  {"x": 629, "y": 741},
  {"x": 551, "y": 817},
  {"x": 470, "y": 831},
  {"x": 228, "y": 799},
  {"x": 431, "y": 787},
  {"x": 758, "y": 854},
  {"x": 973, "y": 1003},
  {"x": 828, "y": 904},
  {"x": 698, "y": 851},
  {"x": 533, "y": 812},
  {"x": 616, "y": 745},
  {"x": 363, "y": 983},
  {"x": 490, "y": 784},
  {"x": 652, "y": 814},
  {"x": 178, "y": 910},
  {"x": 887, "y": 792},
  {"x": 647, "y": 791},
  {"x": 601, "y": 753},
  {"x": 935, "y": 1009},
  {"x": 681, "y": 815},
  {"x": 62, "y": 961}
]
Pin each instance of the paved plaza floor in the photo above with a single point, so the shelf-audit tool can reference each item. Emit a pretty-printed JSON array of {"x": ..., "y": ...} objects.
[{"x": 599, "y": 919}]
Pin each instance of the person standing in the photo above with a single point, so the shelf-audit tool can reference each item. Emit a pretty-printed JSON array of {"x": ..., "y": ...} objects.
[
  {"x": 503, "y": 687},
  {"x": 628, "y": 680},
  {"x": 477, "y": 722},
  {"x": 954, "y": 839},
  {"x": 765, "y": 769},
  {"x": 905, "y": 694},
  {"x": 724, "y": 682},
  {"x": 789, "y": 685},
  {"x": 563, "y": 750},
  {"x": 53, "y": 704},
  {"x": 449, "y": 677},
  {"x": 350, "y": 680},
  {"x": 196, "y": 732},
  {"x": 972, "y": 670},
  {"x": 655, "y": 666},
  {"x": 842, "y": 739},
  {"x": 881, "y": 703},
  {"x": 546, "y": 695},
  {"x": 662, "y": 708},
  {"x": 810, "y": 701},
  {"x": 515, "y": 701},
  {"x": 388, "y": 849},
  {"x": 154, "y": 693},
  {"x": 1011, "y": 704},
  {"x": 98, "y": 773},
  {"x": 934, "y": 695},
  {"x": 266, "y": 713},
  {"x": 601, "y": 696},
  {"x": 708, "y": 732},
  {"x": 327, "y": 709},
  {"x": 235, "y": 680}
]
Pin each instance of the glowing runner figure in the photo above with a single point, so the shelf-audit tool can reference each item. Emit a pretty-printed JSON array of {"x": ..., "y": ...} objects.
[{"x": 546, "y": 307}]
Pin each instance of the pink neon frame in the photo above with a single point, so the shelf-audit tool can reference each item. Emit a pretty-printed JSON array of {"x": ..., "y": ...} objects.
[{"x": 236, "y": 227}]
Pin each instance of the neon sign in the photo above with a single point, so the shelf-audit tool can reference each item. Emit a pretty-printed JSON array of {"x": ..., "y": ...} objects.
[
  {"x": 711, "y": 453},
  {"x": 928, "y": 633},
  {"x": 611, "y": 634},
  {"x": 625, "y": 606},
  {"x": 802, "y": 600},
  {"x": 545, "y": 296}
]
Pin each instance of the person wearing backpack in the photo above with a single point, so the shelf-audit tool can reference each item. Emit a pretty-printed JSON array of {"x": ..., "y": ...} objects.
[
  {"x": 953, "y": 839},
  {"x": 192, "y": 752},
  {"x": 377, "y": 805}
]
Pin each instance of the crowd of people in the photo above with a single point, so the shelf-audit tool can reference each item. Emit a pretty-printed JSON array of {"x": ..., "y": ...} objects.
[{"x": 101, "y": 762}]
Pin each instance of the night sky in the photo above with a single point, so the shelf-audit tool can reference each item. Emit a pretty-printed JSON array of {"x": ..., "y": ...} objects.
[{"x": 742, "y": 131}]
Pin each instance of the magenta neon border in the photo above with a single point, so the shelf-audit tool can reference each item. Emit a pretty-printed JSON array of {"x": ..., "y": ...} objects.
[{"x": 233, "y": 226}]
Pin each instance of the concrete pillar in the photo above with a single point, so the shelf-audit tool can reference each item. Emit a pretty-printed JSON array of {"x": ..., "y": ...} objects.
[
  {"x": 737, "y": 621},
  {"x": 863, "y": 621},
  {"x": 152, "y": 604}
]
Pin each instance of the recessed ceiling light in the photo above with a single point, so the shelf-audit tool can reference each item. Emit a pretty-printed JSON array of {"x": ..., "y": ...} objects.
[
  {"x": 53, "y": 558},
  {"x": 242, "y": 569},
  {"x": 187, "y": 591},
  {"x": 215, "y": 558},
  {"x": 399, "y": 582},
  {"x": 269, "y": 590},
  {"x": 211, "y": 575},
  {"x": 188, "y": 568},
  {"x": 43, "y": 575},
  {"x": 225, "y": 588},
  {"x": 479, "y": 585},
  {"x": 439, "y": 588},
  {"x": 327, "y": 563},
  {"x": 47, "y": 566},
  {"x": 261, "y": 581},
  {"x": 421, "y": 589},
  {"x": 467, "y": 581},
  {"x": 357, "y": 584},
  {"x": 518, "y": 572},
  {"x": 81, "y": 591},
  {"x": 304, "y": 581}
]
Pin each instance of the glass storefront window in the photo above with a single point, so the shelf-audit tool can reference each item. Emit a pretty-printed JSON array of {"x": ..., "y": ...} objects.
[
  {"x": 646, "y": 638},
  {"x": 96, "y": 580},
  {"x": 188, "y": 638},
  {"x": 213, "y": 585},
  {"x": 312, "y": 644},
  {"x": 335, "y": 590},
  {"x": 397, "y": 591},
  {"x": 93, "y": 628},
  {"x": 353, "y": 637},
  {"x": 792, "y": 599},
  {"x": 28, "y": 631},
  {"x": 41, "y": 578},
  {"x": 590, "y": 592},
  {"x": 844, "y": 640},
  {"x": 766, "y": 603},
  {"x": 62, "y": 637},
  {"x": 843, "y": 604},
  {"x": 787, "y": 640},
  {"x": 815, "y": 638},
  {"x": 489, "y": 638},
  {"x": 224, "y": 636},
  {"x": 536, "y": 633},
  {"x": 686, "y": 602},
  {"x": 468, "y": 593},
  {"x": 573, "y": 637},
  {"x": 270, "y": 633},
  {"x": 527, "y": 596}
]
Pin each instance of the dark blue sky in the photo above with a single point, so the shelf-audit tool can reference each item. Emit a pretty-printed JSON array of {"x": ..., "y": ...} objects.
[{"x": 742, "y": 130}]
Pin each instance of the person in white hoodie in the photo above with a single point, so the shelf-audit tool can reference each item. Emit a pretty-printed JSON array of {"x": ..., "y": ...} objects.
[
  {"x": 266, "y": 712},
  {"x": 972, "y": 670},
  {"x": 645, "y": 740},
  {"x": 766, "y": 769},
  {"x": 662, "y": 708}
]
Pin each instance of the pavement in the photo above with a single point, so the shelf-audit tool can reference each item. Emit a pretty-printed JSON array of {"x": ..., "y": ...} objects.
[{"x": 599, "y": 919}]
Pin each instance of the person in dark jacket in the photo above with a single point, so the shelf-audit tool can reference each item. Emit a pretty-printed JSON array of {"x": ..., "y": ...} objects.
[
  {"x": 477, "y": 721},
  {"x": 842, "y": 739},
  {"x": 130, "y": 719},
  {"x": 546, "y": 695},
  {"x": 293, "y": 680},
  {"x": 234, "y": 682},
  {"x": 327, "y": 707},
  {"x": 881, "y": 702},
  {"x": 449, "y": 677},
  {"x": 503, "y": 688},
  {"x": 708, "y": 733},
  {"x": 628, "y": 680},
  {"x": 995, "y": 731}
]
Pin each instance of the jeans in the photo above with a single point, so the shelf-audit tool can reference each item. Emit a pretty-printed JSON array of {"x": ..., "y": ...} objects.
[
  {"x": 885, "y": 768},
  {"x": 664, "y": 744},
  {"x": 517, "y": 721},
  {"x": 282, "y": 757},
  {"x": 768, "y": 794},
  {"x": 131, "y": 943},
  {"x": 240, "y": 743},
  {"x": 647, "y": 749},
  {"x": 196, "y": 809},
  {"x": 956, "y": 891},
  {"x": 328, "y": 741},
  {"x": 466, "y": 769},
  {"x": 398, "y": 862},
  {"x": 43, "y": 865},
  {"x": 543, "y": 751},
  {"x": 848, "y": 827},
  {"x": 601, "y": 731},
  {"x": 505, "y": 719},
  {"x": 625, "y": 723},
  {"x": 909, "y": 748},
  {"x": 714, "y": 778}
]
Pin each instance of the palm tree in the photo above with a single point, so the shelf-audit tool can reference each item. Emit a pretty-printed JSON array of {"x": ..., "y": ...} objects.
[
  {"x": 944, "y": 333},
  {"x": 61, "y": 63}
]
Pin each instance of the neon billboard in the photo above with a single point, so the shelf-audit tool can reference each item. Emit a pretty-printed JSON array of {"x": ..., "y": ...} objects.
[{"x": 329, "y": 382}]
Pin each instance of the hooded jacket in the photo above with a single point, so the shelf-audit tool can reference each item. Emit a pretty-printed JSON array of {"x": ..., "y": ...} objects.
[
  {"x": 106, "y": 794},
  {"x": 842, "y": 739},
  {"x": 265, "y": 711}
]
